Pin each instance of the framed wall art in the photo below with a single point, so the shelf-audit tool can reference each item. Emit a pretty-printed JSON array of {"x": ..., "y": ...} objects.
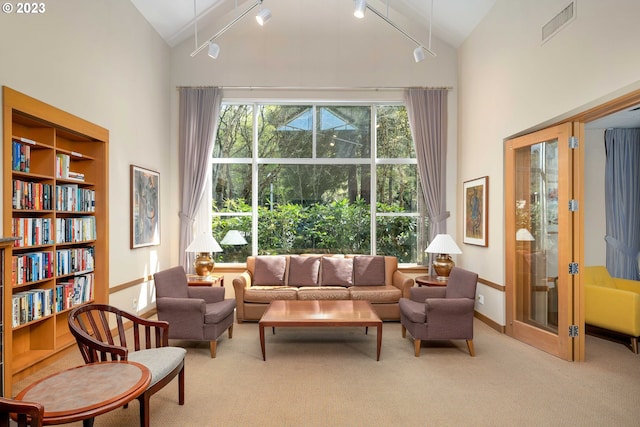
[
  {"x": 475, "y": 211},
  {"x": 145, "y": 207}
]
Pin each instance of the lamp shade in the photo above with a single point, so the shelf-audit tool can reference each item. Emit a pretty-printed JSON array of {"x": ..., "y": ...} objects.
[
  {"x": 233, "y": 237},
  {"x": 524, "y": 235},
  {"x": 443, "y": 244},
  {"x": 418, "y": 54},
  {"x": 204, "y": 243}
]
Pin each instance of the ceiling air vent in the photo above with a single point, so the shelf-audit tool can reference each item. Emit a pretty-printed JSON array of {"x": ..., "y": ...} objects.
[{"x": 559, "y": 21}]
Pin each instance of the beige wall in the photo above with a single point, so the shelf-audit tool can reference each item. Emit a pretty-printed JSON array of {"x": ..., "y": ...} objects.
[
  {"x": 510, "y": 82},
  {"x": 101, "y": 61}
]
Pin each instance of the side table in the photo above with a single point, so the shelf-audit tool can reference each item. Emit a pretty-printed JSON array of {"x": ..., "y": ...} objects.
[
  {"x": 86, "y": 391},
  {"x": 211, "y": 280},
  {"x": 430, "y": 281}
]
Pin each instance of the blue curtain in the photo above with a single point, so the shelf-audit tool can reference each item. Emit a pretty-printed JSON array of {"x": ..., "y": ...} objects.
[{"x": 622, "y": 200}]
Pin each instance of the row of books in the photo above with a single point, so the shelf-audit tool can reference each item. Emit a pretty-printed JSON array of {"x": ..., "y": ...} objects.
[
  {"x": 74, "y": 260},
  {"x": 62, "y": 168},
  {"x": 33, "y": 231},
  {"x": 21, "y": 156},
  {"x": 70, "y": 197},
  {"x": 35, "y": 304},
  {"x": 71, "y": 230},
  {"x": 31, "y": 267},
  {"x": 31, "y": 305},
  {"x": 29, "y": 195},
  {"x": 74, "y": 291}
]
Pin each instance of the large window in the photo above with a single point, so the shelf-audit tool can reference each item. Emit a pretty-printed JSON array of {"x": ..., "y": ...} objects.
[{"x": 316, "y": 178}]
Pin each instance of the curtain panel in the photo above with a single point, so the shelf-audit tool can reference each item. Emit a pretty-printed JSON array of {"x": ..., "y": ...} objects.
[
  {"x": 622, "y": 201},
  {"x": 427, "y": 112},
  {"x": 198, "y": 121}
]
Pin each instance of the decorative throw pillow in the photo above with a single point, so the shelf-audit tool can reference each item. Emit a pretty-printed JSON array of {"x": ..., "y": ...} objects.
[
  {"x": 303, "y": 271},
  {"x": 337, "y": 271},
  {"x": 269, "y": 270},
  {"x": 368, "y": 270}
]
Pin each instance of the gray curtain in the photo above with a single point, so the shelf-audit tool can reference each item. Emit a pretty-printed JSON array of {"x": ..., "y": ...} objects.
[
  {"x": 622, "y": 201},
  {"x": 427, "y": 112},
  {"x": 198, "y": 122}
]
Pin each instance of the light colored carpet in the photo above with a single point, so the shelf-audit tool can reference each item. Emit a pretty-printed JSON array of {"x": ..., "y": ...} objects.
[{"x": 324, "y": 377}]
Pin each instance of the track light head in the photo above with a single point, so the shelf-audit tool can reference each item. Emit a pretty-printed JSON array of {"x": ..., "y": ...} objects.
[
  {"x": 360, "y": 8},
  {"x": 263, "y": 16},
  {"x": 418, "y": 54},
  {"x": 214, "y": 50}
]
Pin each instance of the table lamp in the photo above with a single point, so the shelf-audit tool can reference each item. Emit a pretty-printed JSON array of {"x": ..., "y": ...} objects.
[
  {"x": 233, "y": 237},
  {"x": 204, "y": 244},
  {"x": 443, "y": 245}
]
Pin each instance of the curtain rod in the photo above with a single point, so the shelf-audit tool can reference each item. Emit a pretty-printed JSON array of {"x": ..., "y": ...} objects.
[{"x": 312, "y": 88}]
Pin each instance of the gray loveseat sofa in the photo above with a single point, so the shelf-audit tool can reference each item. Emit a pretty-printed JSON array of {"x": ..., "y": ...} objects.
[{"x": 320, "y": 277}]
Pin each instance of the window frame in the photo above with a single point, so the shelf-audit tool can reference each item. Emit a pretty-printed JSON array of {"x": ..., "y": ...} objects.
[{"x": 373, "y": 161}]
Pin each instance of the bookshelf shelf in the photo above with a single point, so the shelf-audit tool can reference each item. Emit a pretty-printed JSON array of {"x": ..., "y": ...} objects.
[{"x": 55, "y": 199}]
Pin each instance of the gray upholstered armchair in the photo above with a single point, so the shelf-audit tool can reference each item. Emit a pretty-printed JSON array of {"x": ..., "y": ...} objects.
[
  {"x": 194, "y": 313},
  {"x": 441, "y": 313}
]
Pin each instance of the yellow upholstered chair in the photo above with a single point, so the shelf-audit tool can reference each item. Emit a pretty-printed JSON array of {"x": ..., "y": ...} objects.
[{"x": 612, "y": 303}]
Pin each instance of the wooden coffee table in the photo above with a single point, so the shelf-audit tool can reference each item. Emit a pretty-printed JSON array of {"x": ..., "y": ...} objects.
[{"x": 328, "y": 313}]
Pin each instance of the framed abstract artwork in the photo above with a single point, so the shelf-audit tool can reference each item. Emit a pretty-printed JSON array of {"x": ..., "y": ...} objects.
[
  {"x": 475, "y": 211},
  {"x": 145, "y": 207}
]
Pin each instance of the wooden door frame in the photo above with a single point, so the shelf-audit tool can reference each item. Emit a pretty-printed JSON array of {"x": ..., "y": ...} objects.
[{"x": 579, "y": 120}]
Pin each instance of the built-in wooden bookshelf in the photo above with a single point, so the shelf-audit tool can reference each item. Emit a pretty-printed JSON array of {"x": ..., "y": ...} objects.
[{"x": 55, "y": 199}]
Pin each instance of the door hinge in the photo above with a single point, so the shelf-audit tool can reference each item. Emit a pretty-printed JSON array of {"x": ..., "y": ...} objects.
[
  {"x": 573, "y": 268},
  {"x": 574, "y": 331},
  {"x": 573, "y": 205},
  {"x": 573, "y": 142}
]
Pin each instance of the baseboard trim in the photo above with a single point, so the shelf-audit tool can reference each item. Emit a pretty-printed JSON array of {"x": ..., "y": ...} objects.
[{"x": 492, "y": 324}]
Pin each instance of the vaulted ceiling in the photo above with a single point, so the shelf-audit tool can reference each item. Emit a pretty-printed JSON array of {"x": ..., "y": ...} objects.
[{"x": 453, "y": 20}]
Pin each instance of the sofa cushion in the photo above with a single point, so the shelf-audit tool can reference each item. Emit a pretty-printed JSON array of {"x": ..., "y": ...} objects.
[
  {"x": 323, "y": 293},
  {"x": 266, "y": 294},
  {"x": 303, "y": 271},
  {"x": 376, "y": 294},
  {"x": 270, "y": 270},
  {"x": 368, "y": 270},
  {"x": 337, "y": 271}
]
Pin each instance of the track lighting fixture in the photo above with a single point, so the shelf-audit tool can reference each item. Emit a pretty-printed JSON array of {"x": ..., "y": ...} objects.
[
  {"x": 214, "y": 50},
  {"x": 263, "y": 16},
  {"x": 418, "y": 54},
  {"x": 360, "y": 8}
]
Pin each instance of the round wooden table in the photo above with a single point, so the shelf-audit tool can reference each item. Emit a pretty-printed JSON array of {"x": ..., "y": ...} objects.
[
  {"x": 430, "y": 281},
  {"x": 83, "y": 392}
]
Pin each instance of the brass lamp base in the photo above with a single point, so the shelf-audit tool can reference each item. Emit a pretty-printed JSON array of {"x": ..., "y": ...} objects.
[
  {"x": 203, "y": 264},
  {"x": 443, "y": 265}
]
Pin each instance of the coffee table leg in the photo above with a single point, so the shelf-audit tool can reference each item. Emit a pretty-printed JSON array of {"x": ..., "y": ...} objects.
[
  {"x": 261, "y": 327},
  {"x": 379, "y": 340},
  {"x": 88, "y": 422}
]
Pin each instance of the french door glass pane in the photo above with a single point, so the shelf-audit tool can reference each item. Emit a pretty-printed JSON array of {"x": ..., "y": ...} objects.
[{"x": 537, "y": 235}]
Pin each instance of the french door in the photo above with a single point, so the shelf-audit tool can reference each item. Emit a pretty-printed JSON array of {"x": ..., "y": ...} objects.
[{"x": 543, "y": 240}]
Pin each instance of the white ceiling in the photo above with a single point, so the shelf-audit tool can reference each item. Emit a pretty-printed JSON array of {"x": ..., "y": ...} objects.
[{"x": 453, "y": 20}]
